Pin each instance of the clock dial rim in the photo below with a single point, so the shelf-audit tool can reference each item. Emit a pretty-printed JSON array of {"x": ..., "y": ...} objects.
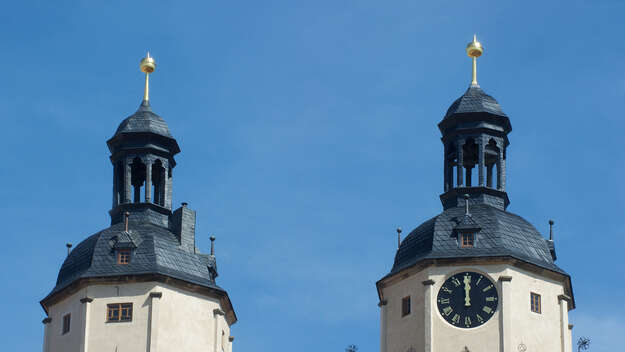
[{"x": 448, "y": 283}]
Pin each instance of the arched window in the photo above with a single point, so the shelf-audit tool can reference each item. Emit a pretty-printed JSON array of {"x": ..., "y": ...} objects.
[
  {"x": 138, "y": 171},
  {"x": 157, "y": 182},
  {"x": 470, "y": 160},
  {"x": 119, "y": 183},
  {"x": 490, "y": 159}
]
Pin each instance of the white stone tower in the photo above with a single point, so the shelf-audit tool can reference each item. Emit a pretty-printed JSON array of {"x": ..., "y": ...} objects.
[
  {"x": 475, "y": 277},
  {"x": 141, "y": 284}
]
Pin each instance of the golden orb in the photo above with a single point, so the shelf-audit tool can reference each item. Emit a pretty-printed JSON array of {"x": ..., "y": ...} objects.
[
  {"x": 474, "y": 48},
  {"x": 147, "y": 65}
]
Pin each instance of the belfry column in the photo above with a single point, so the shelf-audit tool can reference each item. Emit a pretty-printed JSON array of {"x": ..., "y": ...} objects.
[
  {"x": 480, "y": 152},
  {"x": 459, "y": 147},
  {"x": 501, "y": 171},
  {"x": 382, "y": 306},
  {"x": 148, "y": 181},
  {"x": 163, "y": 187},
  {"x": 446, "y": 167},
  {"x": 115, "y": 183},
  {"x": 505, "y": 318},
  {"x": 429, "y": 314},
  {"x": 127, "y": 181}
]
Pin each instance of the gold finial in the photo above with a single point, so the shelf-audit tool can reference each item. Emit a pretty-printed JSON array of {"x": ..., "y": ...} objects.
[
  {"x": 474, "y": 50},
  {"x": 147, "y": 65}
]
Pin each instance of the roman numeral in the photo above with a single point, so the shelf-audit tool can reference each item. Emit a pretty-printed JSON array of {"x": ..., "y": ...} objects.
[
  {"x": 455, "y": 281},
  {"x": 446, "y": 289},
  {"x": 479, "y": 318},
  {"x": 443, "y": 301},
  {"x": 455, "y": 319},
  {"x": 447, "y": 311},
  {"x": 478, "y": 280},
  {"x": 487, "y": 309},
  {"x": 490, "y": 299},
  {"x": 467, "y": 321},
  {"x": 487, "y": 288}
]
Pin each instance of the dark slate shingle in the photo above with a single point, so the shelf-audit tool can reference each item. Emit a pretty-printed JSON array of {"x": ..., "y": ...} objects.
[
  {"x": 475, "y": 100},
  {"x": 501, "y": 234},
  {"x": 144, "y": 120},
  {"x": 157, "y": 252}
]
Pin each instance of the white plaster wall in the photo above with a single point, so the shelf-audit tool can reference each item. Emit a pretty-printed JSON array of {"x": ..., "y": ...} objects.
[
  {"x": 187, "y": 322},
  {"x": 70, "y": 341},
  {"x": 539, "y": 332},
  {"x": 119, "y": 336},
  {"x": 405, "y": 332},
  {"x": 184, "y": 321}
]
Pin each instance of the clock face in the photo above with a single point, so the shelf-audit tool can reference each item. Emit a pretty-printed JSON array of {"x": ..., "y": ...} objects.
[{"x": 467, "y": 300}]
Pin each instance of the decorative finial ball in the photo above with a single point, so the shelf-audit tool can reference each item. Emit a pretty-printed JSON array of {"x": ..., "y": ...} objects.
[
  {"x": 147, "y": 65},
  {"x": 551, "y": 222},
  {"x": 474, "y": 48},
  {"x": 212, "y": 238},
  {"x": 466, "y": 196},
  {"x": 399, "y": 230},
  {"x": 68, "y": 245}
]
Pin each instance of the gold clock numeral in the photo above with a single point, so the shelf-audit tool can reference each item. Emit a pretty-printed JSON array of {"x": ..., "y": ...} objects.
[
  {"x": 487, "y": 288},
  {"x": 487, "y": 309},
  {"x": 467, "y": 321},
  {"x": 478, "y": 280},
  {"x": 447, "y": 311},
  {"x": 455, "y": 319},
  {"x": 479, "y": 318},
  {"x": 444, "y": 301},
  {"x": 446, "y": 289},
  {"x": 490, "y": 299},
  {"x": 455, "y": 281}
]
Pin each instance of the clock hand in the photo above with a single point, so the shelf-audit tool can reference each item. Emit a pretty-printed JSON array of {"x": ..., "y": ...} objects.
[{"x": 467, "y": 288}]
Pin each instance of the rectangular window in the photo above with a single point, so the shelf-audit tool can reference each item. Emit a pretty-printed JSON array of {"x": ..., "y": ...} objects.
[
  {"x": 467, "y": 240},
  {"x": 535, "y": 302},
  {"x": 119, "y": 312},
  {"x": 405, "y": 306},
  {"x": 67, "y": 319},
  {"x": 123, "y": 256}
]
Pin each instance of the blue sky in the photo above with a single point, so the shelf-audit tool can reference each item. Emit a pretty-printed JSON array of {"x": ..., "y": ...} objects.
[{"x": 308, "y": 133}]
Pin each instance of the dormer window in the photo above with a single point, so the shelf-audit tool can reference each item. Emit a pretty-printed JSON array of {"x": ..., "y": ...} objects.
[
  {"x": 123, "y": 256},
  {"x": 467, "y": 240}
]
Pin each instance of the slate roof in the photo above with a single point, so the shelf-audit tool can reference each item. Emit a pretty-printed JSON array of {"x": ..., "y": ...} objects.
[
  {"x": 157, "y": 251},
  {"x": 501, "y": 234},
  {"x": 144, "y": 120},
  {"x": 475, "y": 100}
]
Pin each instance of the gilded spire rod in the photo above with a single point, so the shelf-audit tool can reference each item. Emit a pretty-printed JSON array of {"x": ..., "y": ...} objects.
[
  {"x": 147, "y": 65},
  {"x": 474, "y": 50}
]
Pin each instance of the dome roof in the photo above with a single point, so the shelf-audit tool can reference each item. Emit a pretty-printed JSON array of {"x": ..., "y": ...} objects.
[
  {"x": 156, "y": 250},
  {"x": 142, "y": 121},
  {"x": 501, "y": 234},
  {"x": 475, "y": 100}
]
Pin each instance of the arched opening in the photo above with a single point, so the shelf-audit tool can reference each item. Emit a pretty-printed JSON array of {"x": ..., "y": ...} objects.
[
  {"x": 138, "y": 173},
  {"x": 450, "y": 165},
  {"x": 470, "y": 160},
  {"x": 491, "y": 160},
  {"x": 119, "y": 183},
  {"x": 157, "y": 179}
]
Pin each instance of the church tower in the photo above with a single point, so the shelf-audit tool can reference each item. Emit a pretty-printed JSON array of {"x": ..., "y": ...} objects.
[
  {"x": 475, "y": 277},
  {"x": 140, "y": 284}
]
